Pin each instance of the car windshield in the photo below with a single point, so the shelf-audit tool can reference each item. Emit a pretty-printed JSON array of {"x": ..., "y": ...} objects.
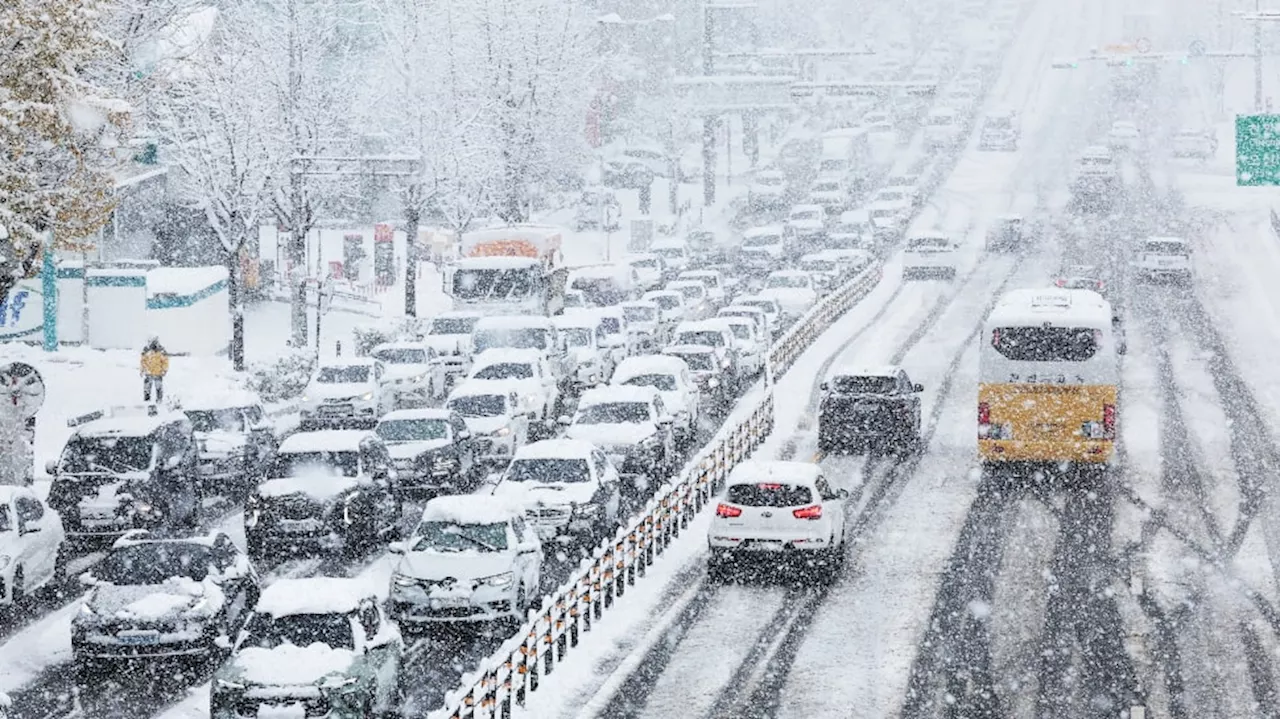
[
  {"x": 230, "y": 419},
  {"x": 787, "y": 281},
  {"x": 1046, "y": 344},
  {"x": 741, "y": 331},
  {"x": 610, "y": 325},
  {"x": 826, "y": 187},
  {"x": 412, "y": 430},
  {"x": 453, "y": 325},
  {"x": 818, "y": 266},
  {"x": 570, "y": 470},
  {"x": 1165, "y": 248},
  {"x": 761, "y": 240},
  {"x": 320, "y": 463},
  {"x": 692, "y": 291},
  {"x": 401, "y": 355},
  {"x": 698, "y": 361},
  {"x": 768, "y": 494},
  {"x": 343, "y": 374},
  {"x": 999, "y": 123},
  {"x": 806, "y": 215},
  {"x": 640, "y": 314},
  {"x": 477, "y": 284},
  {"x": 647, "y": 263},
  {"x": 940, "y": 120},
  {"x": 708, "y": 338},
  {"x": 671, "y": 252},
  {"x": 505, "y": 370},
  {"x": 479, "y": 405},
  {"x": 770, "y": 180},
  {"x": 877, "y": 212},
  {"x": 928, "y": 242},
  {"x": 577, "y": 337},
  {"x": 831, "y": 166},
  {"x": 1095, "y": 161},
  {"x": 849, "y": 384},
  {"x": 301, "y": 630},
  {"x": 6, "y": 521},
  {"x": 107, "y": 454},
  {"x": 765, "y": 306},
  {"x": 614, "y": 413},
  {"x": 153, "y": 563},
  {"x": 891, "y": 196},
  {"x": 453, "y": 537},
  {"x": 521, "y": 338},
  {"x": 660, "y": 382},
  {"x": 667, "y": 302}
]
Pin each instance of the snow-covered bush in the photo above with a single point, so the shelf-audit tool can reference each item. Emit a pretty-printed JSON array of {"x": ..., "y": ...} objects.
[{"x": 283, "y": 378}]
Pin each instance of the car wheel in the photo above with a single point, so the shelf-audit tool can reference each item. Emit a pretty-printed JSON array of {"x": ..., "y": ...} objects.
[
  {"x": 17, "y": 593},
  {"x": 57, "y": 583}
]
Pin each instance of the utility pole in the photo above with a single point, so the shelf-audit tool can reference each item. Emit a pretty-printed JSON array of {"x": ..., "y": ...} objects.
[{"x": 708, "y": 121}]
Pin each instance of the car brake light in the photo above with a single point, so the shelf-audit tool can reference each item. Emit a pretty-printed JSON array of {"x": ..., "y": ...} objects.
[
  {"x": 1109, "y": 421},
  {"x": 814, "y": 512},
  {"x": 727, "y": 511},
  {"x": 771, "y": 487},
  {"x": 1061, "y": 283},
  {"x": 995, "y": 338},
  {"x": 984, "y": 413}
]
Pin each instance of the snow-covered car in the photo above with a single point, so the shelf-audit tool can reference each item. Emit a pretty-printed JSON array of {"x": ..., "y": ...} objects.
[
  {"x": 605, "y": 284},
  {"x": 963, "y": 98},
  {"x": 763, "y": 248},
  {"x": 497, "y": 417},
  {"x": 764, "y": 326},
  {"x": 901, "y": 199},
  {"x": 631, "y": 424},
  {"x": 568, "y": 488},
  {"x": 887, "y": 222},
  {"x": 672, "y": 251},
  {"x": 772, "y": 510},
  {"x": 807, "y": 223},
  {"x": 1163, "y": 258},
  {"x": 715, "y": 334},
  {"x": 345, "y": 391},
  {"x": 1081, "y": 277},
  {"x": 824, "y": 270},
  {"x": 1124, "y": 135},
  {"x": 851, "y": 230},
  {"x": 875, "y": 116},
  {"x": 850, "y": 261},
  {"x": 752, "y": 345},
  {"x": 929, "y": 253},
  {"x": 830, "y": 192},
  {"x": 670, "y": 305},
  {"x": 327, "y": 489},
  {"x": 470, "y": 559},
  {"x": 126, "y": 468},
  {"x": 650, "y": 270},
  {"x": 432, "y": 451},
  {"x": 911, "y": 178},
  {"x": 411, "y": 373},
  {"x": 234, "y": 438},
  {"x": 710, "y": 373},
  {"x": 768, "y": 190},
  {"x": 315, "y": 647},
  {"x": 999, "y": 132},
  {"x": 1096, "y": 162},
  {"x": 593, "y": 362},
  {"x": 32, "y": 557},
  {"x": 449, "y": 334},
  {"x": 943, "y": 127},
  {"x": 644, "y": 325},
  {"x": 525, "y": 370},
  {"x": 1199, "y": 144},
  {"x": 697, "y": 303},
  {"x": 523, "y": 332},
  {"x": 713, "y": 280},
  {"x": 671, "y": 377},
  {"x": 794, "y": 291},
  {"x": 771, "y": 308},
  {"x": 159, "y": 597}
]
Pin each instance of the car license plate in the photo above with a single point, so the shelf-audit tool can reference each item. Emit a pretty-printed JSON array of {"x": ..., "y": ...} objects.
[
  {"x": 300, "y": 525},
  {"x": 135, "y": 640},
  {"x": 764, "y": 545},
  {"x": 449, "y": 603},
  {"x": 336, "y": 409}
]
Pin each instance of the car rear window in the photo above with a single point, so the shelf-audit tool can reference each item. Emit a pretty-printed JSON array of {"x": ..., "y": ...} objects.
[
  {"x": 1164, "y": 248},
  {"x": 864, "y": 385},
  {"x": 1045, "y": 344},
  {"x": 767, "y": 494}
]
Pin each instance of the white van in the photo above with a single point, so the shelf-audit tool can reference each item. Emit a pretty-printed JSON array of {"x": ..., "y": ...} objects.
[
  {"x": 942, "y": 127},
  {"x": 1163, "y": 258},
  {"x": 931, "y": 253},
  {"x": 846, "y": 151}
]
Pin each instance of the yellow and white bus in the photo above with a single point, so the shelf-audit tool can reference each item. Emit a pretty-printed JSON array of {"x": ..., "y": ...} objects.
[{"x": 1048, "y": 381}]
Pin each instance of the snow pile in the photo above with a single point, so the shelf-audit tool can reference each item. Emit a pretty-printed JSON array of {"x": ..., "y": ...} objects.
[
  {"x": 313, "y": 595},
  {"x": 470, "y": 509},
  {"x": 288, "y": 665},
  {"x": 318, "y": 483}
]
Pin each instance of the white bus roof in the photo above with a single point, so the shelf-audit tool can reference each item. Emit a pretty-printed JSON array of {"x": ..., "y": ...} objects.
[{"x": 1028, "y": 307}]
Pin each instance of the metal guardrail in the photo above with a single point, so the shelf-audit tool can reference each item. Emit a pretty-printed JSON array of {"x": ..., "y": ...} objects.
[{"x": 506, "y": 677}]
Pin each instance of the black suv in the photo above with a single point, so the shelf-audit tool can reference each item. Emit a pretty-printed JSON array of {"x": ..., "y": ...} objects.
[
  {"x": 432, "y": 451},
  {"x": 875, "y": 410},
  {"x": 126, "y": 469},
  {"x": 236, "y": 443},
  {"x": 330, "y": 489}
]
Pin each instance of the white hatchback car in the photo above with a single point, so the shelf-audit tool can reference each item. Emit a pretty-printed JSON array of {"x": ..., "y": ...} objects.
[
  {"x": 31, "y": 538},
  {"x": 777, "y": 510},
  {"x": 471, "y": 558},
  {"x": 1163, "y": 258}
]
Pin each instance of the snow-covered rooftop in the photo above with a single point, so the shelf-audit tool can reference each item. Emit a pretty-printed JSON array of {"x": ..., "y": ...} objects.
[
  {"x": 504, "y": 355},
  {"x": 288, "y": 596},
  {"x": 753, "y": 472},
  {"x": 470, "y": 509},
  {"x": 485, "y": 388},
  {"x": 324, "y": 440},
  {"x": 865, "y": 371},
  {"x": 647, "y": 364},
  {"x": 616, "y": 393}
]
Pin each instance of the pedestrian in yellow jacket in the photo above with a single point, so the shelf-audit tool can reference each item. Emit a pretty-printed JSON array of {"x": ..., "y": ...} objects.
[{"x": 154, "y": 366}]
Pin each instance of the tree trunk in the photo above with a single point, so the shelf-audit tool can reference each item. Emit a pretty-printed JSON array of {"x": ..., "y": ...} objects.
[
  {"x": 411, "y": 260},
  {"x": 235, "y": 300},
  {"x": 7, "y": 283},
  {"x": 299, "y": 222}
]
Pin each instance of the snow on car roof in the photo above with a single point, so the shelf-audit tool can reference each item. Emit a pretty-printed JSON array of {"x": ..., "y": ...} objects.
[
  {"x": 289, "y": 596},
  {"x": 639, "y": 256},
  {"x": 647, "y": 364},
  {"x": 220, "y": 400},
  {"x": 691, "y": 274},
  {"x": 576, "y": 320},
  {"x": 471, "y": 509},
  {"x": 485, "y": 388},
  {"x": 345, "y": 362},
  {"x": 513, "y": 322},
  {"x": 866, "y": 371},
  {"x": 458, "y": 314},
  {"x": 807, "y": 208},
  {"x": 421, "y": 413},
  {"x": 685, "y": 283},
  {"x": 128, "y": 422},
  {"x": 852, "y": 217},
  {"x": 688, "y": 349},
  {"x": 751, "y": 309},
  {"x": 928, "y": 235},
  {"x": 504, "y": 355},
  {"x": 662, "y": 293},
  {"x": 640, "y": 304},
  {"x": 751, "y": 472},
  {"x": 752, "y": 299},
  {"x": 789, "y": 273},
  {"x": 616, "y": 393},
  {"x": 667, "y": 243},
  {"x": 495, "y": 263},
  {"x": 1176, "y": 240},
  {"x": 767, "y": 231},
  {"x": 555, "y": 449},
  {"x": 324, "y": 440},
  {"x": 1031, "y": 306},
  {"x": 711, "y": 323},
  {"x": 604, "y": 272}
]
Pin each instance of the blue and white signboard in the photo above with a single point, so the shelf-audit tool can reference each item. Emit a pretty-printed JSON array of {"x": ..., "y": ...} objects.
[{"x": 22, "y": 312}]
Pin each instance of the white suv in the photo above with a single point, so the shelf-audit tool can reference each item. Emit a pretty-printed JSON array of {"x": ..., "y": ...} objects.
[
  {"x": 929, "y": 254},
  {"x": 776, "y": 510},
  {"x": 1164, "y": 258},
  {"x": 345, "y": 390},
  {"x": 31, "y": 538}
]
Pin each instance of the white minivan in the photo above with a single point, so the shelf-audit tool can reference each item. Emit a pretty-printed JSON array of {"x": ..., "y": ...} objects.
[
  {"x": 1163, "y": 258},
  {"x": 930, "y": 253}
]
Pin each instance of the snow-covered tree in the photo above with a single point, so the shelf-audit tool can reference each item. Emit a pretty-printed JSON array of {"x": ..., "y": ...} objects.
[
  {"x": 58, "y": 128},
  {"x": 217, "y": 128}
]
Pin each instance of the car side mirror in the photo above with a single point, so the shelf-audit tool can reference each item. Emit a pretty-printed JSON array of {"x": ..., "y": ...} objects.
[
  {"x": 396, "y": 548},
  {"x": 666, "y": 420},
  {"x": 529, "y": 548},
  {"x": 51, "y": 466},
  {"x": 464, "y": 435},
  {"x": 87, "y": 579},
  {"x": 917, "y": 387}
]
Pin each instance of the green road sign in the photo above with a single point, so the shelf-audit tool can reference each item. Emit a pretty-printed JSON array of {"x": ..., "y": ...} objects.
[{"x": 1257, "y": 150}]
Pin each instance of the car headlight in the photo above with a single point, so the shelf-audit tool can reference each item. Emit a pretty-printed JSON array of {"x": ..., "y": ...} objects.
[
  {"x": 713, "y": 383},
  {"x": 586, "y": 510},
  {"x": 305, "y": 398},
  {"x": 366, "y": 396},
  {"x": 401, "y": 580},
  {"x": 443, "y": 461},
  {"x": 338, "y": 683},
  {"x": 502, "y": 432},
  {"x": 4, "y": 560},
  {"x": 500, "y": 580},
  {"x": 228, "y": 684}
]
